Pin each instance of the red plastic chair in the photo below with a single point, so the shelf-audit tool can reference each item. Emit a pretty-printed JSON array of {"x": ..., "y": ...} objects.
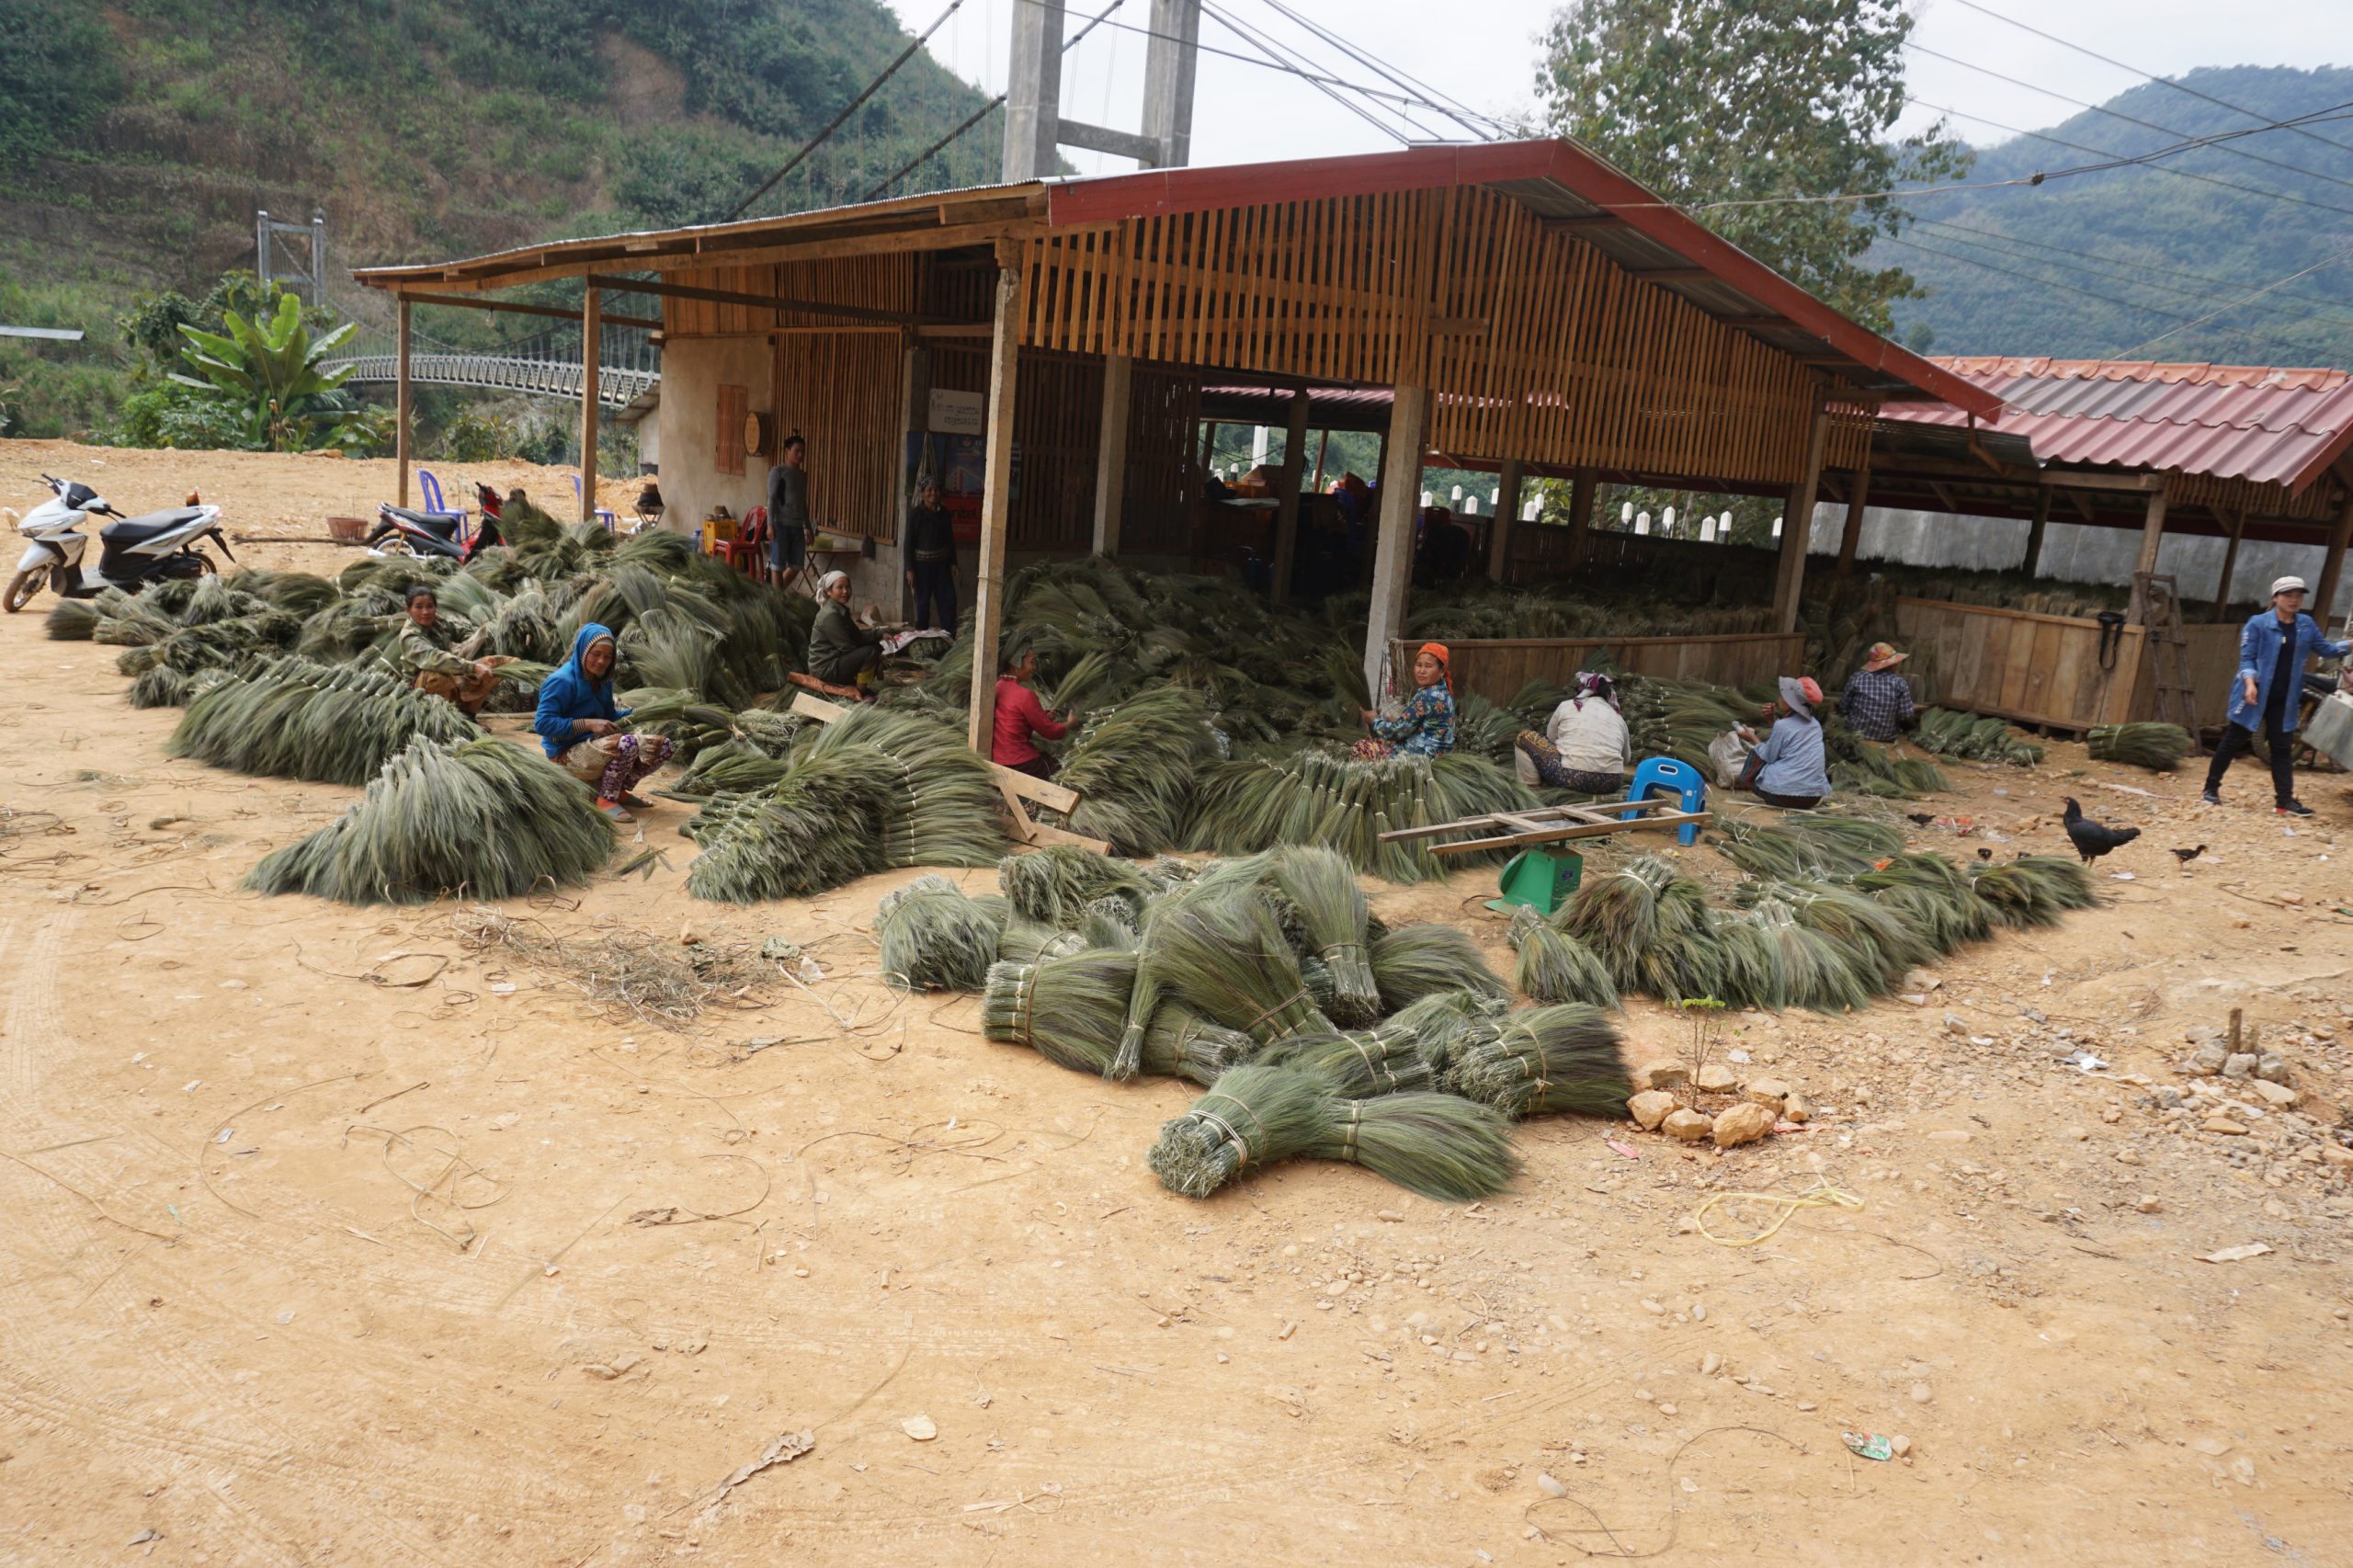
[{"x": 748, "y": 550}]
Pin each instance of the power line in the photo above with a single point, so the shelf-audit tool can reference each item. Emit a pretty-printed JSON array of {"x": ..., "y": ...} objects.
[
  {"x": 835, "y": 123},
  {"x": 2077, "y": 257},
  {"x": 1479, "y": 125},
  {"x": 2146, "y": 76},
  {"x": 1320, "y": 84},
  {"x": 2202, "y": 321}
]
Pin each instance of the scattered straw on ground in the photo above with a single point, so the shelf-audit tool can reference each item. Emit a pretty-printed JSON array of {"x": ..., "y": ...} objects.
[{"x": 619, "y": 971}]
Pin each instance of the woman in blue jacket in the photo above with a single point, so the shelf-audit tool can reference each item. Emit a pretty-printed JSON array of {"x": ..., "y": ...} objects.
[
  {"x": 2273, "y": 650},
  {"x": 579, "y": 726}
]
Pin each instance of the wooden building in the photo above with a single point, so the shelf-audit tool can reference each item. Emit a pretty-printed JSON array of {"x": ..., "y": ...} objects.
[{"x": 1522, "y": 304}]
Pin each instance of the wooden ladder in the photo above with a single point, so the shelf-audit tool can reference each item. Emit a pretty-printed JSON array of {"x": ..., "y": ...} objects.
[{"x": 2177, "y": 697}]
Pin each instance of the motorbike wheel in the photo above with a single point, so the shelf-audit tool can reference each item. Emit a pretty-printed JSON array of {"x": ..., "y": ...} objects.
[
  {"x": 204, "y": 566},
  {"x": 22, "y": 588}
]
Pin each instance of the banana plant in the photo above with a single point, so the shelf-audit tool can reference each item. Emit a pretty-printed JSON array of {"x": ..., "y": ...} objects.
[{"x": 270, "y": 371}]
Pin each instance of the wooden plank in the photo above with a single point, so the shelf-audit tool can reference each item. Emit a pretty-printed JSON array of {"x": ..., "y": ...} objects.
[
  {"x": 404, "y": 414},
  {"x": 1560, "y": 835},
  {"x": 1054, "y": 797},
  {"x": 809, "y": 705},
  {"x": 1606, "y": 814},
  {"x": 996, "y": 494},
  {"x": 591, "y": 356}
]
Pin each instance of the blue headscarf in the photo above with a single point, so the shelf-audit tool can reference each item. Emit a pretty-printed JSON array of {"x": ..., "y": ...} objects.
[{"x": 568, "y": 695}]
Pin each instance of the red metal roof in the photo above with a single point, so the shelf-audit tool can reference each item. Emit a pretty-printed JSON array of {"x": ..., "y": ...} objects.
[
  {"x": 2263, "y": 424},
  {"x": 1557, "y": 180}
]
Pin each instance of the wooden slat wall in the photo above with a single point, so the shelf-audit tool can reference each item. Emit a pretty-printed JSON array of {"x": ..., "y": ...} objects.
[
  {"x": 875, "y": 282},
  {"x": 1156, "y": 499},
  {"x": 1546, "y": 351},
  {"x": 1495, "y": 668},
  {"x": 733, "y": 403},
  {"x": 1057, "y": 423},
  {"x": 2041, "y": 669},
  {"x": 840, "y": 391},
  {"x": 2320, "y": 501}
]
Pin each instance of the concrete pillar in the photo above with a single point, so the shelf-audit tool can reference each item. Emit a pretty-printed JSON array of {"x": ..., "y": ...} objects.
[
  {"x": 1392, "y": 564},
  {"x": 1506, "y": 514},
  {"x": 404, "y": 404},
  {"x": 1168, "y": 67},
  {"x": 1034, "y": 92},
  {"x": 996, "y": 492},
  {"x": 1111, "y": 452},
  {"x": 592, "y": 351},
  {"x": 1287, "y": 501},
  {"x": 1789, "y": 576},
  {"x": 2035, "y": 529},
  {"x": 2152, "y": 534}
]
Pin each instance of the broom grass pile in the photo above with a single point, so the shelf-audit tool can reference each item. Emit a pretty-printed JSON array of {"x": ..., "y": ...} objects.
[
  {"x": 1410, "y": 962},
  {"x": 1556, "y": 967},
  {"x": 295, "y": 719},
  {"x": 2031, "y": 891},
  {"x": 2155, "y": 746},
  {"x": 1649, "y": 926},
  {"x": 1180, "y": 1043},
  {"x": 1542, "y": 1062},
  {"x": 1346, "y": 803},
  {"x": 482, "y": 818},
  {"x": 1321, "y": 889},
  {"x": 1069, "y": 1010},
  {"x": 935, "y": 938},
  {"x": 1221, "y": 953},
  {"x": 1971, "y": 738},
  {"x": 1357, "y": 1063},
  {"x": 1053, "y": 885}
]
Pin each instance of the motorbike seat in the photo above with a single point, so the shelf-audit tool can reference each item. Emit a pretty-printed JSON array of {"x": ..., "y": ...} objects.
[
  {"x": 442, "y": 523},
  {"x": 140, "y": 529}
]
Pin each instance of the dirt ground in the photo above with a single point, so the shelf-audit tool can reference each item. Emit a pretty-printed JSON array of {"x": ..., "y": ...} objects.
[{"x": 245, "y": 1137}]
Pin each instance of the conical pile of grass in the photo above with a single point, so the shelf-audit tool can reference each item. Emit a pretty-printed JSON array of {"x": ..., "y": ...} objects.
[
  {"x": 935, "y": 938},
  {"x": 1134, "y": 765},
  {"x": 1221, "y": 954},
  {"x": 2157, "y": 747},
  {"x": 1069, "y": 1010},
  {"x": 1541, "y": 1060},
  {"x": 1053, "y": 885},
  {"x": 1410, "y": 962},
  {"x": 294, "y": 718},
  {"x": 1649, "y": 926},
  {"x": 1556, "y": 967},
  {"x": 1438, "y": 1145},
  {"x": 483, "y": 818},
  {"x": 1321, "y": 888}
]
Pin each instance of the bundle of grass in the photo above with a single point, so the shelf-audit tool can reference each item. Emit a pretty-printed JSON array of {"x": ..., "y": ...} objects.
[
  {"x": 1347, "y": 804},
  {"x": 1866, "y": 768},
  {"x": 1775, "y": 958},
  {"x": 293, "y": 719},
  {"x": 160, "y": 686},
  {"x": 935, "y": 938},
  {"x": 1807, "y": 846},
  {"x": 132, "y": 620},
  {"x": 1222, "y": 955},
  {"x": 1950, "y": 732},
  {"x": 1134, "y": 765},
  {"x": 1649, "y": 926},
  {"x": 1541, "y": 1061},
  {"x": 349, "y": 627},
  {"x": 1180, "y": 1043},
  {"x": 1069, "y": 1010},
  {"x": 297, "y": 592},
  {"x": 1411, "y": 962},
  {"x": 1554, "y": 966},
  {"x": 483, "y": 817},
  {"x": 1054, "y": 885},
  {"x": 1933, "y": 894},
  {"x": 1873, "y": 940},
  {"x": 73, "y": 621},
  {"x": 1108, "y": 923},
  {"x": 2031, "y": 891},
  {"x": 1321, "y": 891},
  {"x": 1438, "y": 1145},
  {"x": 2157, "y": 747},
  {"x": 1357, "y": 1063},
  {"x": 733, "y": 766},
  {"x": 1023, "y": 940},
  {"x": 1437, "y": 1020}
]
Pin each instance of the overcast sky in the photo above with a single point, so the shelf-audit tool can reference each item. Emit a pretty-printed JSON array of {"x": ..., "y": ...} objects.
[{"x": 1482, "y": 52}]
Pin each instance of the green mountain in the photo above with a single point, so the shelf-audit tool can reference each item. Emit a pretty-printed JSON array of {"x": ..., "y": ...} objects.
[
  {"x": 138, "y": 137},
  {"x": 2128, "y": 262}
]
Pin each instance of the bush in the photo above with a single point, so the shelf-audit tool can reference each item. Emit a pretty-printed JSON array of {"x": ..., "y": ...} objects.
[{"x": 477, "y": 437}]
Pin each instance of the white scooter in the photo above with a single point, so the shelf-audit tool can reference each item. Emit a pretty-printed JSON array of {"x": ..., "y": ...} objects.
[{"x": 132, "y": 552}]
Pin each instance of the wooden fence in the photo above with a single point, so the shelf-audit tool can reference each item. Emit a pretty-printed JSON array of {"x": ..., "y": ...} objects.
[
  {"x": 2038, "y": 669},
  {"x": 1495, "y": 668}
]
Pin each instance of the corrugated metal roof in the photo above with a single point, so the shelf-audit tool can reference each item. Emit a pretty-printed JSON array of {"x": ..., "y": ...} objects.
[{"x": 2263, "y": 424}]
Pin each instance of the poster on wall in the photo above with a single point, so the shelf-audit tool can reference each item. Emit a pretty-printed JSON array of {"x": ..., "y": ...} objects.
[
  {"x": 958, "y": 464},
  {"x": 958, "y": 412}
]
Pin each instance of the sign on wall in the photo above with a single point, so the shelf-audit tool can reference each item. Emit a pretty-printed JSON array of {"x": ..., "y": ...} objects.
[{"x": 958, "y": 412}]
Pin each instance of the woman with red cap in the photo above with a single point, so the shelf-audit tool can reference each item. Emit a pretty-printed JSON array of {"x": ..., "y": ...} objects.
[
  {"x": 1789, "y": 769},
  {"x": 1427, "y": 726}
]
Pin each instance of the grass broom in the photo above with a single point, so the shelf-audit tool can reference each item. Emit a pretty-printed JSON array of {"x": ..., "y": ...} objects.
[
  {"x": 934, "y": 939},
  {"x": 1069, "y": 1010},
  {"x": 1540, "y": 1060},
  {"x": 1554, "y": 966}
]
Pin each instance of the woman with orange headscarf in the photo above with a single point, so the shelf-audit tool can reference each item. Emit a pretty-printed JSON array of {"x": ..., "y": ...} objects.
[{"x": 1427, "y": 726}]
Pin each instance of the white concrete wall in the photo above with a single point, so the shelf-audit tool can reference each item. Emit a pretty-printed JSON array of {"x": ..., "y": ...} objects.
[
  {"x": 2072, "y": 552},
  {"x": 693, "y": 369}
]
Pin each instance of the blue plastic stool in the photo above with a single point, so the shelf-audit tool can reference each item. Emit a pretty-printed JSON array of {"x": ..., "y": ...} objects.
[{"x": 1680, "y": 777}]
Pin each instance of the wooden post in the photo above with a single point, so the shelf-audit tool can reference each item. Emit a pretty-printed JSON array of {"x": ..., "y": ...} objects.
[
  {"x": 1506, "y": 512},
  {"x": 1796, "y": 527},
  {"x": 2034, "y": 531},
  {"x": 996, "y": 490},
  {"x": 2332, "y": 568},
  {"x": 2230, "y": 567},
  {"x": 1860, "y": 498},
  {"x": 2152, "y": 534},
  {"x": 591, "y": 352},
  {"x": 1581, "y": 488},
  {"x": 403, "y": 410},
  {"x": 1323, "y": 448},
  {"x": 914, "y": 419},
  {"x": 1401, "y": 501},
  {"x": 1287, "y": 503},
  {"x": 1111, "y": 452}
]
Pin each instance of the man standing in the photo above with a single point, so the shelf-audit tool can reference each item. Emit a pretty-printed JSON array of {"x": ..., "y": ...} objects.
[
  {"x": 1876, "y": 701},
  {"x": 789, "y": 511},
  {"x": 2273, "y": 649},
  {"x": 931, "y": 561},
  {"x": 437, "y": 664}
]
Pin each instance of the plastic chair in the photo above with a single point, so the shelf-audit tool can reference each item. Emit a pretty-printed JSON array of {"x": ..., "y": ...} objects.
[
  {"x": 604, "y": 515},
  {"x": 748, "y": 550},
  {"x": 438, "y": 507},
  {"x": 1666, "y": 772}
]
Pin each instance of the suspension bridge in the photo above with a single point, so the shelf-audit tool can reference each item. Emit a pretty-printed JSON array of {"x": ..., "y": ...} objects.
[{"x": 629, "y": 377}]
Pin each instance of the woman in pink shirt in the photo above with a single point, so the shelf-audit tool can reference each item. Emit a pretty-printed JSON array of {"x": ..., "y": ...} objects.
[{"x": 1019, "y": 715}]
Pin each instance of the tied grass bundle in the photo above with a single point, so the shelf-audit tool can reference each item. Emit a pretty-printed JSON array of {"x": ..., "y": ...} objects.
[
  {"x": 1649, "y": 926},
  {"x": 1025, "y": 941},
  {"x": 1069, "y": 1010},
  {"x": 1934, "y": 894},
  {"x": 2031, "y": 891},
  {"x": 1222, "y": 955},
  {"x": 1438, "y": 1146},
  {"x": 1347, "y": 804},
  {"x": 2155, "y": 746},
  {"x": 1054, "y": 885},
  {"x": 1134, "y": 765},
  {"x": 1108, "y": 923},
  {"x": 1809, "y": 846},
  {"x": 1542, "y": 1061},
  {"x": 1180, "y": 1043},
  {"x": 1437, "y": 1021},
  {"x": 73, "y": 621},
  {"x": 1556, "y": 967},
  {"x": 295, "y": 719},
  {"x": 1951, "y": 732},
  {"x": 1873, "y": 940},
  {"x": 1321, "y": 888},
  {"x": 1410, "y": 962},
  {"x": 488, "y": 818},
  {"x": 935, "y": 938},
  {"x": 1774, "y": 958},
  {"x": 1357, "y": 1063}
]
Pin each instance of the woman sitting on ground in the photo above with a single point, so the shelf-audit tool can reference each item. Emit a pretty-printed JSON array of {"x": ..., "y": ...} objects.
[
  {"x": 1585, "y": 748},
  {"x": 437, "y": 662},
  {"x": 580, "y": 727},
  {"x": 1789, "y": 769},
  {"x": 1427, "y": 726},
  {"x": 840, "y": 649},
  {"x": 1020, "y": 717}
]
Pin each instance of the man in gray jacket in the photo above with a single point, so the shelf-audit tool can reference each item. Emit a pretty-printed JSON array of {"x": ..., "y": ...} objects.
[{"x": 789, "y": 511}]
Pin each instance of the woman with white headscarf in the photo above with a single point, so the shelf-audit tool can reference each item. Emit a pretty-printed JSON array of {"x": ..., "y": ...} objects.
[{"x": 840, "y": 649}]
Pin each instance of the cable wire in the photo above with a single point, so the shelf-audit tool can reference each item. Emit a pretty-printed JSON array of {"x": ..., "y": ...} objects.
[
  {"x": 1319, "y": 85},
  {"x": 2202, "y": 321},
  {"x": 1479, "y": 125}
]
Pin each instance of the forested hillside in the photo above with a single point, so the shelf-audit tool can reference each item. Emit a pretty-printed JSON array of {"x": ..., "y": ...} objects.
[
  {"x": 2127, "y": 261},
  {"x": 138, "y": 137}
]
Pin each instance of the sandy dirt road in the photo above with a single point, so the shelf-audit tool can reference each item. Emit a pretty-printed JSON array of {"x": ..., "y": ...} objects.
[{"x": 244, "y": 1138}]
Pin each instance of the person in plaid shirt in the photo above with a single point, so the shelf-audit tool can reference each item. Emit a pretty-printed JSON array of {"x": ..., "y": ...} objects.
[{"x": 1877, "y": 702}]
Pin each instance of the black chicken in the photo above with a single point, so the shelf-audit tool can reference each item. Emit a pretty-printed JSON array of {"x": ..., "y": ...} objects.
[
  {"x": 2186, "y": 856},
  {"x": 2094, "y": 839}
]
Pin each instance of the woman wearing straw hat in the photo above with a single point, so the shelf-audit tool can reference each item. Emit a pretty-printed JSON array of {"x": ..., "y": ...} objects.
[
  {"x": 2274, "y": 647},
  {"x": 1427, "y": 726},
  {"x": 1876, "y": 701},
  {"x": 1789, "y": 769}
]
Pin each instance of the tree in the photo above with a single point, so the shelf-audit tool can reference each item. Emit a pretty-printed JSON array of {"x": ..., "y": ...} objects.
[
  {"x": 1714, "y": 103},
  {"x": 268, "y": 370}
]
